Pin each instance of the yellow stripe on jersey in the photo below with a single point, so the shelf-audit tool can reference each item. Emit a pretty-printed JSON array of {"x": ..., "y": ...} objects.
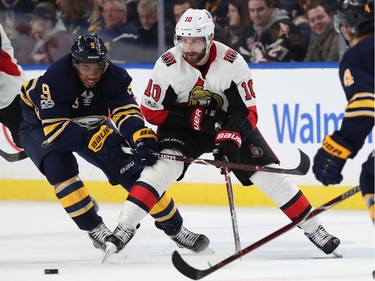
[
  {"x": 25, "y": 93},
  {"x": 81, "y": 211},
  {"x": 51, "y": 135},
  {"x": 361, "y": 105},
  {"x": 66, "y": 183},
  {"x": 360, "y": 113},
  {"x": 74, "y": 197},
  {"x": 161, "y": 205},
  {"x": 53, "y": 127},
  {"x": 126, "y": 110}
]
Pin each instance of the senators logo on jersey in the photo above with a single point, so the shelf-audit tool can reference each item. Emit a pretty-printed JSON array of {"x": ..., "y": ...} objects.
[
  {"x": 230, "y": 55},
  {"x": 200, "y": 96},
  {"x": 168, "y": 59}
]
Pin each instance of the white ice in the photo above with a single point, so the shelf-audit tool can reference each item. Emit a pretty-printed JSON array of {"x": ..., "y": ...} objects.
[{"x": 39, "y": 235}]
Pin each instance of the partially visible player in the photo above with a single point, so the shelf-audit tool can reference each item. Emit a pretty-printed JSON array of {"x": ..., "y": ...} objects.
[
  {"x": 66, "y": 110},
  {"x": 11, "y": 78},
  {"x": 355, "y": 21},
  {"x": 196, "y": 84}
]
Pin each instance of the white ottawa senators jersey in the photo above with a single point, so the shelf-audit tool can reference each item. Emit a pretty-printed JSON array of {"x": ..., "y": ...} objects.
[
  {"x": 11, "y": 75},
  {"x": 175, "y": 82}
]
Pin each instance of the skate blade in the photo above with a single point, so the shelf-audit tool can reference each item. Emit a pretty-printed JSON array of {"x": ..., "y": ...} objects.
[
  {"x": 110, "y": 250},
  {"x": 337, "y": 254}
]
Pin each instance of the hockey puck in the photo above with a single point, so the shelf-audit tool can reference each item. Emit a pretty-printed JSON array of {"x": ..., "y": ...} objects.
[{"x": 51, "y": 271}]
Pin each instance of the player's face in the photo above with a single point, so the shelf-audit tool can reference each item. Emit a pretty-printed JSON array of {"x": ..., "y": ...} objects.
[
  {"x": 90, "y": 73},
  {"x": 194, "y": 48}
]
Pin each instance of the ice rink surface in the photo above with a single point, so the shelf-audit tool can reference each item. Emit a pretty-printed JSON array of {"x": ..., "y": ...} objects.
[{"x": 39, "y": 235}]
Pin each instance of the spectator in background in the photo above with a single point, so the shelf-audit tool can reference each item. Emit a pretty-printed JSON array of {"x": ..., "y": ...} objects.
[
  {"x": 274, "y": 38},
  {"x": 180, "y": 6},
  {"x": 132, "y": 11},
  {"x": 148, "y": 31},
  {"x": 219, "y": 11},
  {"x": 48, "y": 40},
  {"x": 324, "y": 40},
  {"x": 96, "y": 20},
  {"x": 297, "y": 12},
  {"x": 238, "y": 24},
  {"x": 118, "y": 34},
  {"x": 75, "y": 15},
  {"x": 15, "y": 17}
]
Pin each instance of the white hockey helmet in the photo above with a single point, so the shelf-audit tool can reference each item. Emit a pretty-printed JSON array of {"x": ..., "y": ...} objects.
[{"x": 195, "y": 23}]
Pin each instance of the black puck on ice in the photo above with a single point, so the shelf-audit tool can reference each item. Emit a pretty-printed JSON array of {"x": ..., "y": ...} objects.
[{"x": 51, "y": 271}]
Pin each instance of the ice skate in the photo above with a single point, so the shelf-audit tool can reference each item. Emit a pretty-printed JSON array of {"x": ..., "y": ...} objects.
[
  {"x": 190, "y": 240},
  {"x": 117, "y": 240},
  {"x": 325, "y": 241},
  {"x": 98, "y": 236}
]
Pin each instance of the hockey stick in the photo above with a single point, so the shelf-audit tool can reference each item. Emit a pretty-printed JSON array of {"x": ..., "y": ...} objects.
[
  {"x": 302, "y": 169},
  {"x": 196, "y": 274},
  {"x": 232, "y": 209},
  {"x": 13, "y": 157}
]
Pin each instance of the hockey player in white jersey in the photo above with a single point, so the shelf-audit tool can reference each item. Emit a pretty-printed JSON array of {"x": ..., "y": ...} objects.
[
  {"x": 194, "y": 85},
  {"x": 11, "y": 78}
]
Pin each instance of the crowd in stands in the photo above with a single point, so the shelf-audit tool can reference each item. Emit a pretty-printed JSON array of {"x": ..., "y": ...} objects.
[{"x": 42, "y": 31}]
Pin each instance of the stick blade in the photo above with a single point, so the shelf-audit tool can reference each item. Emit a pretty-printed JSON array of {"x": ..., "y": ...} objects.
[
  {"x": 13, "y": 157},
  {"x": 304, "y": 164},
  {"x": 186, "y": 269}
]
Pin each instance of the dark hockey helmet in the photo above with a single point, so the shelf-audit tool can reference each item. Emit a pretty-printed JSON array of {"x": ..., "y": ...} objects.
[
  {"x": 357, "y": 14},
  {"x": 89, "y": 49}
]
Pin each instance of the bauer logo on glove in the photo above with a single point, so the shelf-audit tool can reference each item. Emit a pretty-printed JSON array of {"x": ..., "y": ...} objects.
[
  {"x": 97, "y": 141},
  {"x": 334, "y": 148}
]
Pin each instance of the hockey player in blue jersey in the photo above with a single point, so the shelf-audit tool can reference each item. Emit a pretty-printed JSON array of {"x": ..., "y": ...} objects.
[
  {"x": 66, "y": 110},
  {"x": 355, "y": 21}
]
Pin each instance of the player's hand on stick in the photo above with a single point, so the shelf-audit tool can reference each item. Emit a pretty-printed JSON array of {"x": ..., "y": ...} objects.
[
  {"x": 203, "y": 119},
  {"x": 227, "y": 145},
  {"x": 146, "y": 145},
  {"x": 330, "y": 159}
]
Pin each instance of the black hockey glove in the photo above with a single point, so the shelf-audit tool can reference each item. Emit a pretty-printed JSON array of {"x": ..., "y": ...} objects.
[
  {"x": 146, "y": 146},
  {"x": 96, "y": 140},
  {"x": 227, "y": 144},
  {"x": 203, "y": 119},
  {"x": 330, "y": 159}
]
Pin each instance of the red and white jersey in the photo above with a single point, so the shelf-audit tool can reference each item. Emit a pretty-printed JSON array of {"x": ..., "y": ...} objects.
[
  {"x": 174, "y": 81},
  {"x": 11, "y": 74}
]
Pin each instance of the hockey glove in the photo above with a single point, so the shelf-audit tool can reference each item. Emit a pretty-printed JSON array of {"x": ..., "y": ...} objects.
[
  {"x": 146, "y": 146},
  {"x": 97, "y": 140},
  {"x": 203, "y": 119},
  {"x": 227, "y": 145},
  {"x": 330, "y": 159}
]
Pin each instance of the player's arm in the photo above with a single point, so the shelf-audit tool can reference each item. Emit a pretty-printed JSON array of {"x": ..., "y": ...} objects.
[
  {"x": 357, "y": 124},
  {"x": 126, "y": 114},
  {"x": 127, "y": 117},
  {"x": 54, "y": 115},
  {"x": 241, "y": 111}
]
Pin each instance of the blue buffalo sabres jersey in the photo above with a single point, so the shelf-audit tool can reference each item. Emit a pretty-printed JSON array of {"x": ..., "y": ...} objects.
[
  {"x": 357, "y": 79},
  {"x": 59, "y": 102}
]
